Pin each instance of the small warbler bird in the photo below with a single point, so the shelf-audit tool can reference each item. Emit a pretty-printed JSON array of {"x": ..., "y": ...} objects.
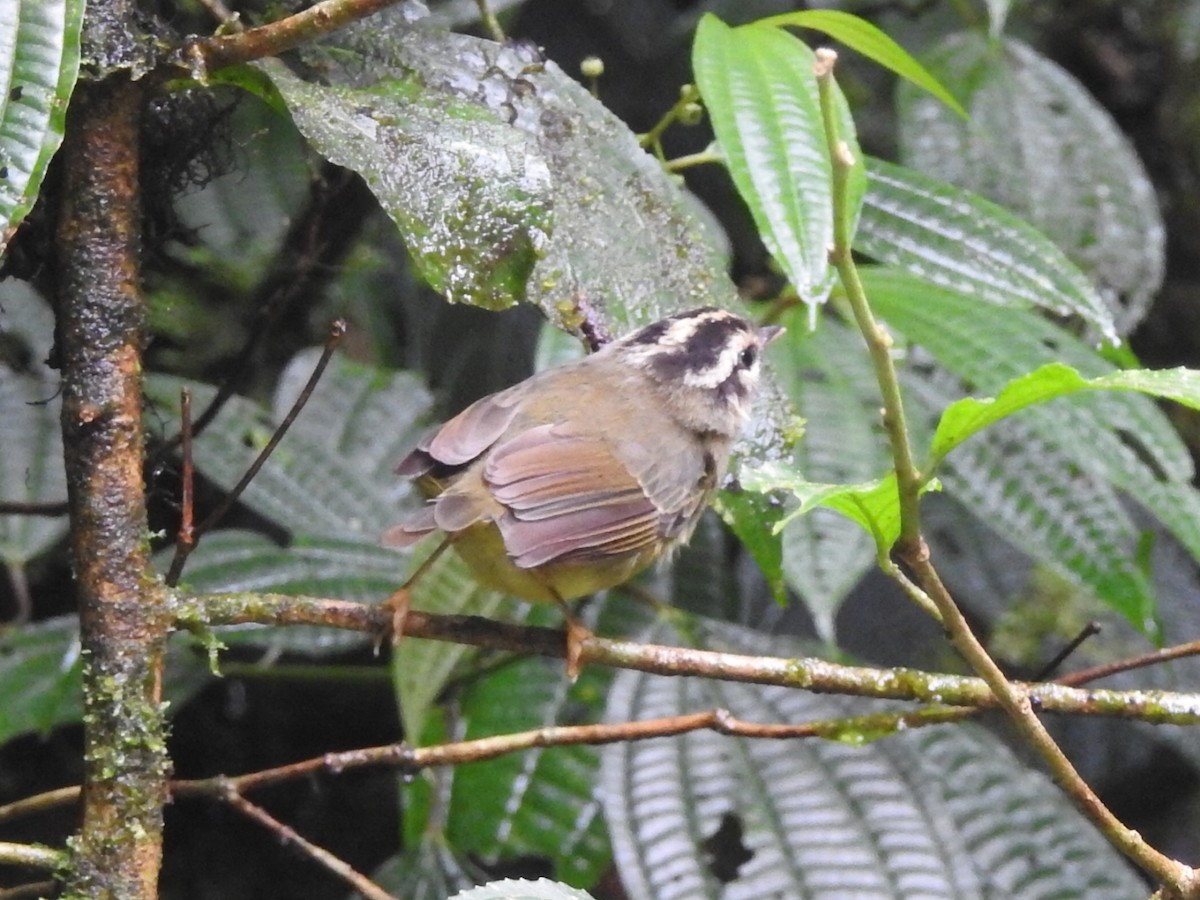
[{"x": 581, "y": 476}]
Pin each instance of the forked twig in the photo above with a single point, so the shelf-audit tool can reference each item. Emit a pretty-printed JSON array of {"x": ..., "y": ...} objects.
[{"x": 184, "y": 549}]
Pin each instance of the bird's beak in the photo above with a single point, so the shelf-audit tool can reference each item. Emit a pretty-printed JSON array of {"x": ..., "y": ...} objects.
[{"x": 768, "y": 333}]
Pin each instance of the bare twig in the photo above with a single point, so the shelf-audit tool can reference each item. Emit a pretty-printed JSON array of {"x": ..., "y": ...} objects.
[
  {"x": 47, "y": 800},
  {"x": 1153, "y": 658},
  {"x": 206, "y": 55},
  {"x": 1091, "y": 629},
  {"x": 32, "y": 856},
  {"x": 414, "y": 759},
  {"x": 183, "y": 549},
  {"x": 288, "y": 836},
  {"x": 186, "y": 541},
  {"x": 31, "y": 891}
]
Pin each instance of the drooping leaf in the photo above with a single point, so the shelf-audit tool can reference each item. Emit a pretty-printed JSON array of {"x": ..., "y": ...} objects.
[
  {"x": 859, "y": 34},
  {"x": 1040, "y": 145},
  {"x": 507, "y": 179},
  {"x": 39, "y": 62},
  {"x": 761, "y": 94}
]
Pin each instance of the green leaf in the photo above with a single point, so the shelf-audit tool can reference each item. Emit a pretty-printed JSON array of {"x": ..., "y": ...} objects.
[
  {"x": 1124, "y": 436},
  {"x": 1040, "y": 145},
  {"x": 754, "y": 518},
  {"x": 761, "y": 94},
  {"x": 874, "y": 505},
  {"x": 40, "y": 667},
  {"x": 959, "y": 240},
  {"x": 539, "y": 802},
  {"x": 859, "y": 34},
  {"x": 969, "y": 416},
  {"x": 31, "y": 463},
  {"x": 39, "y": 63},
  {"x": 1029, "y": 489}
]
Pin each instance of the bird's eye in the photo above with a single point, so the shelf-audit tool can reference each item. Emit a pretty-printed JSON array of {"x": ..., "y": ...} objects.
[{"x": 748, "y": 357}]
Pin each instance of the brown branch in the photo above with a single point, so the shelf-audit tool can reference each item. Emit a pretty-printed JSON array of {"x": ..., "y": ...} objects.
[
  {"x": 812, "y": 674},
  {"x": 123, "y": 608},
  {"x": 1022, "y": 705},
  {"x": 288, "y": 836},
  {"x": 413, "y": 759},
  {"x": 1153, "y": 658},
  {"x": 204, "y": 56}
]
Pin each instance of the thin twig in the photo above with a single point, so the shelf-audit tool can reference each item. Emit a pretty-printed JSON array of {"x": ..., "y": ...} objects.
[
  {"x": 1153, "y": 658},
  {"x": 43, "y": 802},
  {"x": 286, "y": 835},
  {"x": 186, "y": 540},
  {"x": 490, "y": 22},
  {"x": 414, "y": 759},
  {"x": 32, "y": 856},
  {"x": 182, "y": 551},
  {"x": 1091, "y": 629}
]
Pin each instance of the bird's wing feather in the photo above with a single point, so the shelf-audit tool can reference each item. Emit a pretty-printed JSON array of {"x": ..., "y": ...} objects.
[
  {"x": 568, "y": 497},
  {"x": 463, "y": 438}
]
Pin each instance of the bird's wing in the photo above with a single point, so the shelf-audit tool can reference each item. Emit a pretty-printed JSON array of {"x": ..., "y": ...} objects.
[
  {"x": 461, "y": 439},
  {"x": 567, "y": 498}
]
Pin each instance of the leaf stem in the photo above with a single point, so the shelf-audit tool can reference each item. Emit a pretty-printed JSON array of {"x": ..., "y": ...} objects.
[{"x": 879, "y": 342}]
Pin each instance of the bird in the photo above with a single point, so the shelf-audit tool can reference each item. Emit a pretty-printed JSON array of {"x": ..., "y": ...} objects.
[{"x": 581, "y": 476}]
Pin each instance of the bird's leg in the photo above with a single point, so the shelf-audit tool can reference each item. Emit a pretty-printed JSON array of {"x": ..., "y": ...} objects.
[
  {"x": 577, "y": 633},
  {"x": 399, "y": 600}
]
